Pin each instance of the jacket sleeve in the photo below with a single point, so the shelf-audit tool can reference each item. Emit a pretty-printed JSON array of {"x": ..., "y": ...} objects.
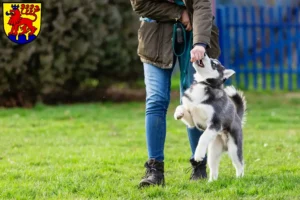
[
  {"x": 202, "y": 21},
  {"x": 157, "y": 9}
]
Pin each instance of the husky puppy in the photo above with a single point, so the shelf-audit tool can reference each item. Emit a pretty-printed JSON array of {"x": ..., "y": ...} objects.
[{"x": 219, "y": 112}]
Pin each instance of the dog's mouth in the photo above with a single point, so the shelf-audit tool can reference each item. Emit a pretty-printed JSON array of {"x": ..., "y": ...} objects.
[{"x": 200, "y": 63}]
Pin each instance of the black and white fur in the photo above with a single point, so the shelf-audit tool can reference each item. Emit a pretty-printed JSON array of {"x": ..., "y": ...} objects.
[{"x": 219, "y": 112}]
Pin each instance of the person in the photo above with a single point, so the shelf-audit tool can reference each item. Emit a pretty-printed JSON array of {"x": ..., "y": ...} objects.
[{"x": 170, "y": 31}]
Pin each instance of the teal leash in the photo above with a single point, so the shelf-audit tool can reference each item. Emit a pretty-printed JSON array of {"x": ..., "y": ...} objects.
[{"x": 180, "y": 46}]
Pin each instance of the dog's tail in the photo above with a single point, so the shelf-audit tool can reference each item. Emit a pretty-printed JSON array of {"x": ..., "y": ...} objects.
[{"x": 239, "y": 100}]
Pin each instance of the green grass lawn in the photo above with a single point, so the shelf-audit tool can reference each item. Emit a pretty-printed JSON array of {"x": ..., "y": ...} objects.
[{"x": 97, "y": 151}]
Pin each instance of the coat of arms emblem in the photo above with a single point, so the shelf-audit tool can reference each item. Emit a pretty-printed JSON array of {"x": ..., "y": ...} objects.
[{"x": 22, "y": 21}]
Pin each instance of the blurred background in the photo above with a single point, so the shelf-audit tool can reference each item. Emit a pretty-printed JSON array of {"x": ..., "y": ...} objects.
[
  {"x": 261, "y": 42},
  {"x": 87, "y": 51}
]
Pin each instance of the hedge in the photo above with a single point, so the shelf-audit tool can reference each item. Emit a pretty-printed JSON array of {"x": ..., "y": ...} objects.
[{"x": 82, "y": 45}]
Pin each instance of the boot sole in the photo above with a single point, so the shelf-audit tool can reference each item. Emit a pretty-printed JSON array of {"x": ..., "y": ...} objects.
[{"x": 148, "y": 184}]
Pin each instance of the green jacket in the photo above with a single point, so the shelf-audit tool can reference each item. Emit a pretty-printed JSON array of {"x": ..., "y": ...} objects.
[{"x": 155, "y": 39}]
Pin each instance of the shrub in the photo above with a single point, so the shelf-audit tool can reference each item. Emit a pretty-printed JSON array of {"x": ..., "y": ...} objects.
[{"x": 82, "y": 45}]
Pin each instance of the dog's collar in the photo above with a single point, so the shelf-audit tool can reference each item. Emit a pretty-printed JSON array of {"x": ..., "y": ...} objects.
[{"x": 212, "y": 83}]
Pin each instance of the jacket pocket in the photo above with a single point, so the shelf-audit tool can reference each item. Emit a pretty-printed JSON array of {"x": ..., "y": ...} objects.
[
  {"x": 148, "y": 36},
  {"x": 214, "y": 51}
]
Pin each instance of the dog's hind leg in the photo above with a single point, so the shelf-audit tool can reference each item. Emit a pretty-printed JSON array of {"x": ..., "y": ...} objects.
[
  {"x": 184, "y": 115},
  {"x": 235, "y": 153},
  {"x": 215, "y": 150}
]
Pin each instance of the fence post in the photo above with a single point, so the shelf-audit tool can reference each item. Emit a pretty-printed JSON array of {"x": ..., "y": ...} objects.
[
  {"x": 254, "y": 46},
  {"x": 298, "y": 48},
  {"x": 289, "y": 47},
  {"x": 220, "y": 24},
  {"x": 272, "y": 54},
  {"x": 281, "y": 48},
  {"x": 237, "y": 45},
  {"x": 246, "y": 47}
]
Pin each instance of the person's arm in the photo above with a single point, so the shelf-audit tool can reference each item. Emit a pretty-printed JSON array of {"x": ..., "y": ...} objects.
[
  {"x": 202, "y": 25},
  {"x": 157, "y": 10},
  {"x": 202, "y": 22}
]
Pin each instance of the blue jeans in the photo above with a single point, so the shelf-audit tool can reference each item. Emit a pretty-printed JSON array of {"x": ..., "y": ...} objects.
[{"x": 158, "y": 82}]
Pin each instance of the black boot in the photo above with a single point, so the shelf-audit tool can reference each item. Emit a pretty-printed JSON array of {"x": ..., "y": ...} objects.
[
  {"x": 199, "y": 170},
  {"x": 154, "y": 174}
]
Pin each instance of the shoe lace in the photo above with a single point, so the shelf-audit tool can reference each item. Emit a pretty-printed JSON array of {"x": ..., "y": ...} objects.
[
  {"x": 149, "y": 169},
  {"x": 187, "y": 170}
]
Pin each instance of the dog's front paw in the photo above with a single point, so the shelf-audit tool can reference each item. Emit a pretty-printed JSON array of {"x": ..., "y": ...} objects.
[
  {"x": 179, "y": 113},
  {"x": 198, "y": 157}
]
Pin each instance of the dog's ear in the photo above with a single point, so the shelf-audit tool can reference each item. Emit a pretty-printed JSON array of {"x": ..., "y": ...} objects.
[{"x": 228, "y": 73}]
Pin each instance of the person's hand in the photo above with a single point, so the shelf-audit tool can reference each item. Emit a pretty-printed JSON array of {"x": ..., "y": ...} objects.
[
  {"x": 197, "y": 53},
  {"x": 185, "y": 20}
]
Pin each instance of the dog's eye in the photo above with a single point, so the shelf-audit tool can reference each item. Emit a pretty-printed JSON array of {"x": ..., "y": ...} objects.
[{"x": 214, "y": 65}]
